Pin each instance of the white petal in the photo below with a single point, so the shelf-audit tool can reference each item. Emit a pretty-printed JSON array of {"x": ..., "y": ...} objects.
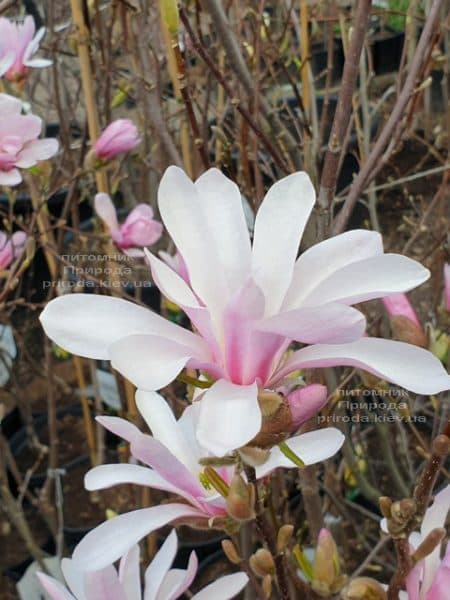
[
  {"x": 185, "y": 218},
  {"x": 87, "y": 324},
  {"x": 129, "y": 574},
  {"x": 330, "y": 324},
  {"x": 112, "y": 539},
  {"x": 171, "y": 285},
  {"x": 164, "y": 427},
  {"x": 148, "y": 361},
  {"x": 411, "y": 367},
  {"x": 373, "y": 277},
  {"x": 224, "y": 588},
  {"x": 74, "y": 578},
  {"x": 435, "y": 516},
  {"x": 38, "y": 63},
  {"x": 105, "y": 476},
  {"x": 11, "y": 177},
  {"x": 279, "y": 226},
  {"x": 103, "y": 584},
  {"x": 320, "y": 261},
  {"x": 160, "y": 565},
  {"x": 54, "y": 588},
  {"x": 222, "y": 204},
  {"x": 229, "y": 417},
  {"x": 311, "y": 448},
  {"x": 106, "y": 210},
  {"x": 177, "y": 581}
]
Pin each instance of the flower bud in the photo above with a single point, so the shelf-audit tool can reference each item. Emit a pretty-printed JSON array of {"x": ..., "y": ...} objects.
[
  {"x": 119, "y": 137},
  {"x": 364, "y": 588},
  {"x": 253, "y": 456},
  {"x": 276, "y": 420},
  {"x": 305, "y": 402},
  {"x": 267, "y": 586},
  {"x": 262, "y": 563},
  {"x": 405, "y": 324},
  {"x": 284, "y": 537},
  {"x": 326, "y": 573},
  {"x": 441, "y": 445},
  {"x": 240, "y": 500},
  {"x": 230, "y": 552},
  {"x": 431, "y": 541}
]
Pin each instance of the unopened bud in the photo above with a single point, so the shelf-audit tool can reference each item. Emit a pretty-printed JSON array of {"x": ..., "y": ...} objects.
[
  {"x": 269, "y": 402},
  {"x": 326, "y": 572},
  {"x": 441, "y": 445},
  {"x": 91, "y": 160},
  {"x": 230, "y": 552},
  {"x": 364, "y": 588},
  {"x": 169, "y": 15},
  {"x": 267, "y": 586},
  {"x": 276, "y": 420},
  {"x": 306, "y": 402},
  {"x": 404, "y": 321},
  {"x": 403, "y": 510},
  {"x": 262, "y": 563},
  {"x": 385, "y": 506},
  {"x": 240, "y": 500},
  {"x": 432, "y": 540},
  {"x": 284, "y": 537}
]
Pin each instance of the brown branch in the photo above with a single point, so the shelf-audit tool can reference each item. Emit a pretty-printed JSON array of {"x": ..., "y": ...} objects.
[{"x": 372, "y": 165}]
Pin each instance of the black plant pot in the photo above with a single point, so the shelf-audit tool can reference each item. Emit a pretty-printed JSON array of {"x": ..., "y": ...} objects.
[
  {"x": 17, "y": 571},
  {"x": 319, "y": 62},
  {"x": 386, "y": 48},
  {"x": 11, "y": 423}
]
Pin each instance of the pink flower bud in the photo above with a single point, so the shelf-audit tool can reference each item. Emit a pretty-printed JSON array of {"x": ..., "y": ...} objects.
[
  {"x": 405, "y": 324},
  {"x": 120, "y": 136},
  {"x": 305, "y": 402},
  {"x": 399, "y": 304},
  {"x": 11, "y": 249},
  {"x": 447, "y": 286},
  {"x": 21, "y": 42},
  {"x": 140, "y": 229}
]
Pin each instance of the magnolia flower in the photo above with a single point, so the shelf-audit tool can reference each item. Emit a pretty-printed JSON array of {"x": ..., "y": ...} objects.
[
  {"x": 173, "y": 455},
  {"x": 161, "y": 582},
  {"x": 247, "y": 303},
  {"x": 139, "y": 229},
  {"x": 19, "y": 143},
  {"x": 119, "y": 137},
  {"x": 447, "y": 286},
  {"x": 10, "y": 249},
  {"x": 430, "y": 578},
  {"x": 18, "y": 43}
]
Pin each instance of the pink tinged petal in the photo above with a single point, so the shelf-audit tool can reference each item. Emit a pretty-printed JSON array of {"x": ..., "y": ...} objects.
[
  {"x": 318, "y": 262},
  {"x": 35, "y": 151},
  {"x": 88, "y": 324},
  {"x": 435, "y": 516},
  {"x": 26, "y": 127},
  {"x": 408, "y": 366},
  {"x": 441, "y": 582},
  {"x": 224, "y": 588},
  {"x": 447, "y": 286},
  {"x": 74, "y": 578},
  {"x": 222, "y": 204},
  {"x": 186, "y": 218},
  {"x": 306, "y": 402},
  {"x": 18, "y": 240},
  {"x": 10, "y": 178},
  {"x": 229, "y": 417},
  {"x": 120, "y": 427},
  {"x": 172, "y": 286},
  {"x": 311, "y": 448},
  {"x": 160, "y": 565},
  {"x": 370, "y": 278},
  {"x": 103, "y": 585},
  {"x": 148, "y": 361},
  {"x": 398, "y": 304},
  {"x": 413, "y": 582},
  {"x": 164, "y": 427},
  {"x": 6, "y": 255},
  {"x": 140, "y": 229},
  {"x": 6, "y": 62},
  {"x": 105, "y": 476},
  {"x": 54, "y": 588},
  {"x": 328, "y": 323},
  {"x": 112, "y": 539},
  {"x": 129, "y": 574},
  {"x": 106, "y": 210},
  {"x": 153, "y": 453},
  {"x": 177, "y": 581},
  {"x": 279, "y": 226},
  {"x": 10, "y": 106}
]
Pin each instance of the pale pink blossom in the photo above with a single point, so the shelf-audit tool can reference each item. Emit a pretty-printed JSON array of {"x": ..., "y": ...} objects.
[
  {"x": 138, "y": 230},
  {"x": 12, "y": 248},
  {"x": 160, "y": 581},
  {"x": 18, "y": 43},
  {"x": 172, "y": 458},
  {"x": 20, "y": 147},
  {"x": 306, "y": 402},
  {"x": 247, "y": 303},
  {"x": 119, "y": 137},
  {"x": 447, "y": 286},
  {"x": 176, "y": 263}
]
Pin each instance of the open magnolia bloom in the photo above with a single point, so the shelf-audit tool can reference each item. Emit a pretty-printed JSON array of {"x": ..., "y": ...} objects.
[
  {"x": 173, "y": 455},
  {"x": 247, "y": 303},
  {"x": 20, "y": 146},
  {"x": 18, "y": 43},
  {"x": 430, "y": 577},
  {"x": 160, "y": 581}
]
